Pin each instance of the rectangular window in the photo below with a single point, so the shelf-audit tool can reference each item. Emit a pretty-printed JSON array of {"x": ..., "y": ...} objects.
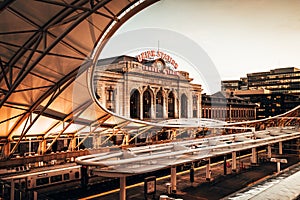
[
  {"x": 42, "y": 181},
  {"x": 76, "y": 174},
  {"x": 56, "y": 178},
  {"x": 66, "y": 176},
  {"x": 195, "y": 113}
]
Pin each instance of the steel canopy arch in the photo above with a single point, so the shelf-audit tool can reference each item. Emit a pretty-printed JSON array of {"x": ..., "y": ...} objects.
[
  {"x": 22, "y": 76},
  {"x": 29, "y": 52},
  {"x": 42, "y": 58}
]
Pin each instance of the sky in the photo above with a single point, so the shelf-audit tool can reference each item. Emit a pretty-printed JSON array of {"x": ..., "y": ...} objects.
[{"x": 239, "y": 36}]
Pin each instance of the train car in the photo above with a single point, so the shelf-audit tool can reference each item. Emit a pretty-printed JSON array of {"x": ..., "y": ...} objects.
[
  {"x": 44, "y": 178},
  {"x": 14, "y": 170}
]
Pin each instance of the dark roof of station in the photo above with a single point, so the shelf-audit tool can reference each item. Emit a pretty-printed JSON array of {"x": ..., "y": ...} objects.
[{"x": 116, "y": 59}]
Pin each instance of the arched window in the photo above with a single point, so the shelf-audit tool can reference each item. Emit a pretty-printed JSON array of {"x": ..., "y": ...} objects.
[
  {"x": 184, "y": 106},
  {"x": 159, "y": 104},
  {"x": 171, "y": 105},
  {"x": 135, "y": 104},
  {"x": 146, "y": 104}
]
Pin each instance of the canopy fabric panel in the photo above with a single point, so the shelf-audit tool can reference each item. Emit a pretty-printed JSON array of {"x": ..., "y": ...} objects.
[{"x": 43, "y": 46}]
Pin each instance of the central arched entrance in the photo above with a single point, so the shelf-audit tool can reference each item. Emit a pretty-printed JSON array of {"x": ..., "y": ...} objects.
[
  {"x": 171, "y": 105},
  {"x": 159, "y": 104},
  {"x": 147, "y": 105},
  {"x": 184, "y": 110}
]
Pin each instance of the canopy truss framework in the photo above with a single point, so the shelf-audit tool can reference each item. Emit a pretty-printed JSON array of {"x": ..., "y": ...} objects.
[
  {"x": 45, "y": 45},
  {"x": 144, "y": 159},
  {"x": 48, "y": 48},
  {"x": 290, "y": 118}
]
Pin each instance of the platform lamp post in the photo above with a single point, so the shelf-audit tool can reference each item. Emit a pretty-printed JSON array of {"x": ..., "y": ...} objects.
[
  {"x": 225, "y": 165},
  {"x": 192, "y": 173},
  {"x": 123, "y": 188},
  {"x": 173, "y": 179}
]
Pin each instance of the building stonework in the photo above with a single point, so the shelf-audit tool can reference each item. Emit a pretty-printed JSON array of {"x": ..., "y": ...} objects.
[
  {"x": 227, "y": 107},
  {"x": 148, "y": 90}
]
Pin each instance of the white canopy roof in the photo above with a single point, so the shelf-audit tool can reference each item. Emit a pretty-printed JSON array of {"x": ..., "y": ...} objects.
[
  {"x": 44, "y": 46},
  {"x": 47, "y": 49}
]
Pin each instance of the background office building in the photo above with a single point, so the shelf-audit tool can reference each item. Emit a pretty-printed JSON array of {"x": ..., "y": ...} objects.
[
  {"x": 231, "y": 85},
  {"x": 275, "y": 91},
  {"x": 151, "y": 89},
  {"x": 268, "y": 103},
  {"x": 280, "y": 80}
]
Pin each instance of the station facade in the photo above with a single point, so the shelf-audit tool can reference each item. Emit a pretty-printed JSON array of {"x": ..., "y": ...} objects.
[{"x": 146, "y": 88}]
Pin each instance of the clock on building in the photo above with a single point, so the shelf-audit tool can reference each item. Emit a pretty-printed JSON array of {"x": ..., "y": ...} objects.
[{"x": 160, "y": 65}]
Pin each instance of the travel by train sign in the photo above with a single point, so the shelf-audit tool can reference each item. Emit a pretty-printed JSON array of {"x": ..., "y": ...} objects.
[{"x": 151, "y": 54}]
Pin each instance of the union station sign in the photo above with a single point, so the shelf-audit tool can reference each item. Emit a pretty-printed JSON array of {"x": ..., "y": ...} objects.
[{"x": 151, "y": 54}]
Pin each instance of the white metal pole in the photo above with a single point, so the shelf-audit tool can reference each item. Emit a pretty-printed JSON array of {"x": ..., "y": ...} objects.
[
  {"x": 208, "y": 170},
  {"x": 280, "y": 148},
  {"x": 278, "y": 167},
  {"x": 233, "y": 161},
  {"x": 269, "y": 151},
  {"x": 254, "y": 158}
]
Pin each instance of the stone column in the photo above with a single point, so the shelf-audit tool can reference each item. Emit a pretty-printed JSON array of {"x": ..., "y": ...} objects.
[
  {"x": 118, "y": 101},
  {"x": 153, "y": 106},
  {"x": 189, "y": 105},
  {"x": 126, "y": 96},
  {"x": 165, "y": 105},
  {"x": 141, "y": 107},
  {"x": 103, "y": 95},
  {"x": 176, "y": 107},
  {"x": 199, "y": 106}
]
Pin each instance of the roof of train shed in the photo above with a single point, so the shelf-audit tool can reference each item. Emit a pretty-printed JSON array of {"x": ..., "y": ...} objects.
[{"x": 45, "y": 45}]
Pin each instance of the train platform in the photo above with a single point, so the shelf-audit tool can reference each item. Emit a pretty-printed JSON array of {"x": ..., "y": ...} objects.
[
  {"x": 218, "y": 187},
  {"x": 281, "y": 186}
]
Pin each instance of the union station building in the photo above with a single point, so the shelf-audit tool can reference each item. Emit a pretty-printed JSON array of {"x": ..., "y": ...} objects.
[{"x": 146, "y": 89}]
